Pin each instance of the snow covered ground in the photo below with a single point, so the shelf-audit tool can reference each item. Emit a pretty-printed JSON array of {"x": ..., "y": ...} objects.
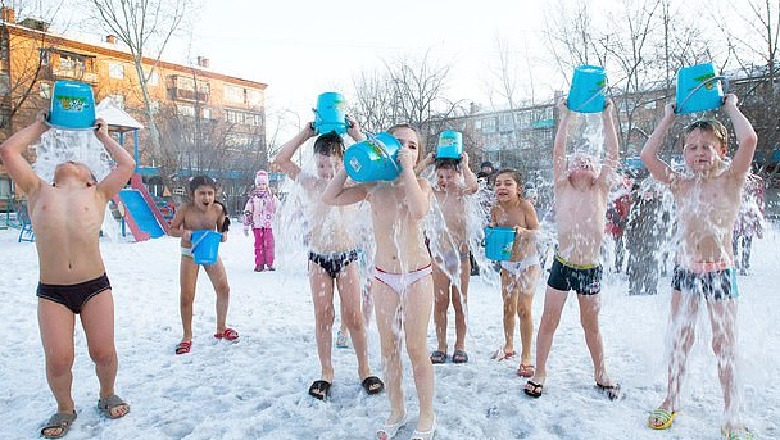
[{"x": 256, "y": 389}]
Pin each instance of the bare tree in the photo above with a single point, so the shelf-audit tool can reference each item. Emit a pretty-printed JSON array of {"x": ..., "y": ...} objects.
[
  {"x": 146, "y": 27},
  {"x": 376, "y": 102}
]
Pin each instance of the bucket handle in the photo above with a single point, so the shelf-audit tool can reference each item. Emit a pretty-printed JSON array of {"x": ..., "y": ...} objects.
[
  {"x": 721, "y": 78},
  {"x": 198, "y": 241},
  {"x": 598, "y": 92}
]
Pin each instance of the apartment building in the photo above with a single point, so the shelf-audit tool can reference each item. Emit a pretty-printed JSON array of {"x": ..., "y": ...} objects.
[{"x": 209, "y": 122}]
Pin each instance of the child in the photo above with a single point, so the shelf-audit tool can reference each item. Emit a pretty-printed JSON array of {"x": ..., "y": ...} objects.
[
  {"x": 258, "y": 215},
  {"x": 403, "y": 289},
  {"x": 520, "y": 274},
  {"x": 750, "y": 222},
  {"x": 332, "y": 257},
  {"x": 580, "y": 193},
  {"x": 450, "y": 250},
  {"x": 202, "y": 212},
  {"x": 707, "y": 200},
  {"x": 66, "y": 218}
]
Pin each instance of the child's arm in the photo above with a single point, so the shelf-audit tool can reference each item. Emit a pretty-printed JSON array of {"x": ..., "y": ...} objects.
[
  {"x": 177, "y": 224},
  {"x": 746, "y": 137},
  {"x": 337, "y": 194},
  {"x": 11, "y": 152},
  {"x": 531, "y": 220},
  {"x": 559, "y": 146},
  {"x": 125, "y": 164},
  {"x": 417, "y": 192},
  {"x": 649, "y": 155},
  {"x": 354, "y": 130},
  {"x": 283, "y": 159},
  {"x": 611, "y": 142},
  {"x": 469, "y": 178}
]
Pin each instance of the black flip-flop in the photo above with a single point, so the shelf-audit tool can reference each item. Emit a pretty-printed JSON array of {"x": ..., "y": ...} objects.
[
  {"x": 320, "y": 389},
  {"x": 536, "y": 392},
  {"x": 370, "y": 385},
  {"x": 612, "y": 391}
]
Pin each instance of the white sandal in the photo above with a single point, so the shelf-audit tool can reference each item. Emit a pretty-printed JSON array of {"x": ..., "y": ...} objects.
[{"x": 425, "y": 435}]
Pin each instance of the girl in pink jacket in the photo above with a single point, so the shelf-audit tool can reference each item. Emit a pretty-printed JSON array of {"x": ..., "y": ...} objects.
[{"x": 258, "y": 215}]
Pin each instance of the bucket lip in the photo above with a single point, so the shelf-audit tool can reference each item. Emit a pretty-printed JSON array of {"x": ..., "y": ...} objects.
[
  {"x": 582, "y": 67},
  {"x": 67, "y": 128}
]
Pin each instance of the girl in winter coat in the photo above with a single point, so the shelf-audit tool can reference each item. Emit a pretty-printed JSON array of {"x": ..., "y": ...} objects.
[{"x": 258, "y": 216}]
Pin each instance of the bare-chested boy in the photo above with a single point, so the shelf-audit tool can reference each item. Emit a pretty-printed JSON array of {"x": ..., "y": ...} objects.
[
  {"x": 66, "y": 218},
  {"x": 580, "y": 193},
  {"x": 707, "y": 199},
  {"x": 521, "y": 272},
  {"x": 333, "y": 255},
  {"x": 201, "y": 213},
  {"x": 403, "y": 289},
  {"x": 450, "y": 250}
]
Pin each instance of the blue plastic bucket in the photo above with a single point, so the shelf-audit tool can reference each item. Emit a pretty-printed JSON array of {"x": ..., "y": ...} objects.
[
  {"x": 586, "y": 94},
  {"x": 498, "y": 243},
  {"x": 373, "y": 159},
  {"x": 205, "y": 246},
  {"x": 330, "y": 113},
  {"x": 72, "y": 106},
  {"x": 450, "y": 145},
  {"x": 698, "y": 89}
]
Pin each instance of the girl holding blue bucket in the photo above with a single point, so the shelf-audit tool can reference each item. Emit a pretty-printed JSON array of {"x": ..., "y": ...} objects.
[
  {"x": 520, "y": 269},
  {"x": 403, "y": 287},
  {"x": 197, "y": 223},
  {"x": 333, "y": 255}
]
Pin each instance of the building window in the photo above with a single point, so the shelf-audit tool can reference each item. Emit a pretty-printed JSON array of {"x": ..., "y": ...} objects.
[
  {"x": 234, "y": 94},
  {"x": 254, "y": 97},
  {"x": 185, "y": 110},
  {"x": 117, "y": 100},
  {"x": 488, "y": 125},
  {"x": 116, "y": 70},
  {"x": 206, "y": 113},
  {"x": 154, "y": 78},
  {"x": 45, "y": 90},
  {"x": 154, "y": 106},
  {"x": 257, "y": 120},
  {"x": 44, "y": 57}
]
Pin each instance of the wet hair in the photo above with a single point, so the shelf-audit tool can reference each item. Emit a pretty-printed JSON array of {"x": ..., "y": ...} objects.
[
  {"x": 516, "y": 176},
  {"x": 199, "y": 181},
  {"x": 713, "y": 126},
  {"x": 329, "y": 144},
  {"x": 447, "y": 164},
  {"x": 420, "y": 144},
  {"x": 225, "y": 224}
]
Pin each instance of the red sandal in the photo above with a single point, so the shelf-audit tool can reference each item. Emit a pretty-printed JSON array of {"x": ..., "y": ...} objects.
[
  {"x": 228, "y": 335},
  {"x": 184, "y": 347}
]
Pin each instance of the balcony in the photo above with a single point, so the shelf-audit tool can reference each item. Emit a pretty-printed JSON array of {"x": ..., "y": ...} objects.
[
  {"x": 54, "y": 73},
  {"x": 179, "y": 94}
]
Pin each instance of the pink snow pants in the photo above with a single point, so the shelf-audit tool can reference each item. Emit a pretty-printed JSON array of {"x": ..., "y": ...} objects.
[{"x": 264, "y": 247}]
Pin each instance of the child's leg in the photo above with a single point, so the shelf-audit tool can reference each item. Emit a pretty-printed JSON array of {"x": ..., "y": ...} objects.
[
  {"x": 259, "y": 259},
  {"x": 97, "y": 319},
  {"x": 590, "y": 305},
  {"x": 509, "y": 294},
  {"x": 56, "y": 326},
  {"x": 441, "y": 290},
  {"x": 321, "y": 285},
  {"x": 459, "y": 304},
  {"x": 269, "y": 246},
  {"x": 348, "y": 282},
  {"x": 723, "y": 315},
  {"x": 682, "y": 321},
  {"x": 526, "y": 286},
  {"x": 188, "y": 277},
  {"x": 218, "y": 277},
  {"x": 551, "y": 316},
  {"x": 418, "y": 302},
  {"x": 388, "y": 322}
]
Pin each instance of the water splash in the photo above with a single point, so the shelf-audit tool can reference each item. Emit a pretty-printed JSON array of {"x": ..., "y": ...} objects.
[{"x": 59, "y": 146}]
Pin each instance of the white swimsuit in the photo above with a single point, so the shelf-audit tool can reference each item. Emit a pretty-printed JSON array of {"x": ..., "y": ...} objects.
[{"x": 400, "y": 282}]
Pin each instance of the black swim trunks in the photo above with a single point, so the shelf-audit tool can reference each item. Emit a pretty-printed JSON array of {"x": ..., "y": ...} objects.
[
  {"x": 585, "y": 280},
  {"x": 333, "y": 264},
  {"x": 720, "y": 284},
  {"x": 73, "y": 296}
]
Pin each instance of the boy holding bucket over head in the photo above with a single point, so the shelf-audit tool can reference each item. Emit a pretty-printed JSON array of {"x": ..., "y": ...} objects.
[
  {"x": 194, "y": 221},
  {"x": 333, "y": 256},
  {"x": 707, "y": 200},
  {"x": 66, "y": 218},
  {"x": 580, "y": 193},
  {"x": 521, "y": 272},
  {"x": 403, "y": 288},
  {"x": 449, "y": 247}
]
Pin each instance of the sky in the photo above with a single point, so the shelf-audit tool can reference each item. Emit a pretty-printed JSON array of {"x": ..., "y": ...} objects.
[{"x": 303, "y": 48}]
